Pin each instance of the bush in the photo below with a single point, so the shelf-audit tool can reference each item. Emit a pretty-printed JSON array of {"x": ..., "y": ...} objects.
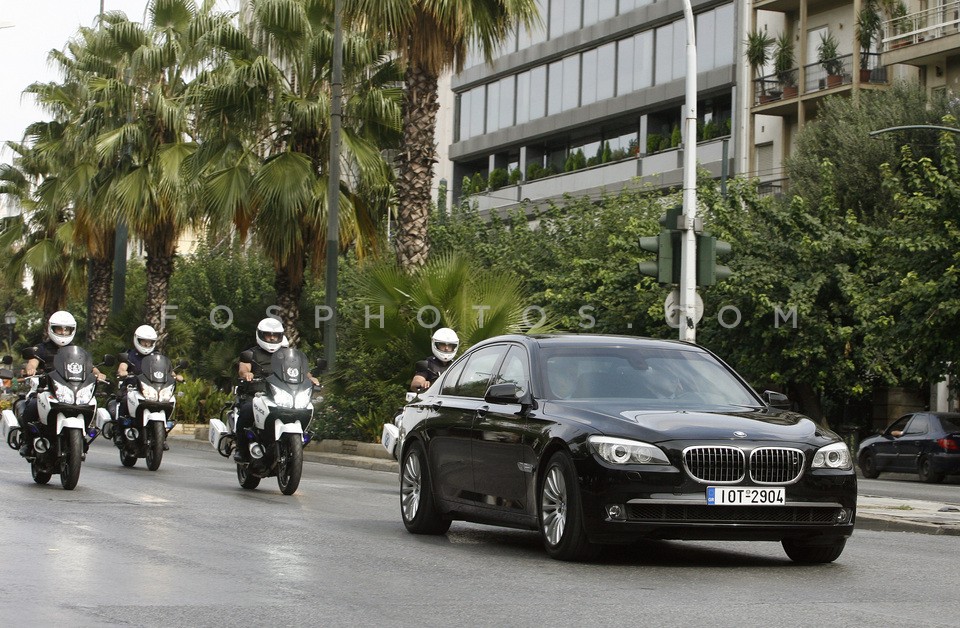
[
  {"x": 514, "y": 176},
  {"x": 676, "y": 137},
  {"x": 198, "y": 401},
  {"x": 498, "y": 178},
  {"x": 653, "y": 143}
]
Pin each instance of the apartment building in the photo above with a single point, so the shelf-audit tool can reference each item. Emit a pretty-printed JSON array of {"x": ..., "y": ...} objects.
[
  {"x": 917, "y": 40},
  {"x": 592, "y": 102}
]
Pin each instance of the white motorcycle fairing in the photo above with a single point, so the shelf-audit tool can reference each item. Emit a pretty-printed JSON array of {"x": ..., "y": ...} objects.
[{"x": 9, "y": 422}]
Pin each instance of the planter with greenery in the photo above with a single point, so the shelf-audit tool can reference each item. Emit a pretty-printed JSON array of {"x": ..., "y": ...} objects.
[
  {"x": 869, "y": 24},
  {"x": 827, "y": 55},
  {"x": 758, "y": 53},
  {"x": 783, "y": 64}
]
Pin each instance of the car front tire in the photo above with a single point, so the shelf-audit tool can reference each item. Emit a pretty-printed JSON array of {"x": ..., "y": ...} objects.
[
  {"x": 561, "y": 512},
  {"x": 868, "y": 466},
  {"x": 417, "y": 506},
  {"x": 813, "y": 553}
]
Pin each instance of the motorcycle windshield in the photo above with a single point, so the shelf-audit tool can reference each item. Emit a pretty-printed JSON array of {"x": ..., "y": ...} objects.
[
  {"x": 156, "y": 370},
  {"x": 288, "y": 370},
  {"x": 72, "y": 365}
]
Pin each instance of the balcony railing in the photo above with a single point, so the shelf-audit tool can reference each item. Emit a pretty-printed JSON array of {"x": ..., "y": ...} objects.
[
  {"x": 926, "y": 25},
  {"x": 770, "y": 88}
]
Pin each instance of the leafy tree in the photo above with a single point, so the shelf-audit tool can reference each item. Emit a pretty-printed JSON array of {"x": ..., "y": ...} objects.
[
  {"x": 431, "y": 36},
  {"x": 266, "y": 124}
]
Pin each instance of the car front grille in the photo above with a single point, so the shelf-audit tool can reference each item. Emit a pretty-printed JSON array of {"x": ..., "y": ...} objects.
[
  {"x": 776, "y": 465},
  {"x": 699, "y": 513},
  {"x": 721, "y": 465},
  {"x": 727, "y": 465}
]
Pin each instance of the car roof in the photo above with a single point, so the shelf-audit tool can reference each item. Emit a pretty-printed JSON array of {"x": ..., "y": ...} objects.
[{"x": 595, "y": 340}]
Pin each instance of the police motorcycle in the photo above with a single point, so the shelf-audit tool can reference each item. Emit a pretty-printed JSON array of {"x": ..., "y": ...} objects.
[
  {"x": 150, "y": 401},
  {"x": 282, "y": 409},
  {"x": 392, "y": 435},
  {"x": 66, "y": 404}
]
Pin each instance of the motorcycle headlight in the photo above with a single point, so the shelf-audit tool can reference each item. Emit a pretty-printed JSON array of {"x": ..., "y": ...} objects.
[
  {"x": 85, "y": 394},
  {"x": 281, "y": 397},
  {"x": 149, "y": 392},
  {"x": 623, "y": 451},
  {"x": 64, "y": 394},
  {"x": 835, "y": 456},
  {"x": 302, "y": 400},
  {"x": 166, "y": 394}
]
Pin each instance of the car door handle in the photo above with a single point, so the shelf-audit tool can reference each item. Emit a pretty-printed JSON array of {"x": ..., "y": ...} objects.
[
  {"x": 436, "y": 405},
  {"x": 481, "y": 412}
]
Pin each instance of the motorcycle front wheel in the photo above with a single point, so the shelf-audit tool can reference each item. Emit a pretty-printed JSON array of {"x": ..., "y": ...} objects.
[
  {"x": 155, "y": 437},
  {"x": 290, "y": 465},
  {"x": 39, "y": 475},
  {"x": 246, "y": 479},
  {"x": 71, "y": 451}
]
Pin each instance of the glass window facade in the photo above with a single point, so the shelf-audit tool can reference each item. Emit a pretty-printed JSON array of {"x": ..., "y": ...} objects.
[{"x": 639, "y": 61}]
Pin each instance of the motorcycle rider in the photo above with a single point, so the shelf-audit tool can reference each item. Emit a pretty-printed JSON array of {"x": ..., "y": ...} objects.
[
  {"x": 144, "y": 342},
  {"x": 270, "y": 338},
  {"x": 61, "y": 329},
  {"x": 444, "y": 344}
]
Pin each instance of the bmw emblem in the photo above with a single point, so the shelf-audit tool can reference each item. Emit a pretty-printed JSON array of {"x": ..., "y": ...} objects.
[{"x": 740, "y": 434}]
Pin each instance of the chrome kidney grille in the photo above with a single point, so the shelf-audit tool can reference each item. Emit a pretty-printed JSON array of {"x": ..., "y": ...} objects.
[
  {"x": 727, "y": 465},
  {"x": 776, "y": 465}
]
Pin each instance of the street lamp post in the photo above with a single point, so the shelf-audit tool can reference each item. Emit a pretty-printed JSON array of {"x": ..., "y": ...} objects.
[
  {"x": 10, "y": 318},
  {"x": 688, "y": 255}
]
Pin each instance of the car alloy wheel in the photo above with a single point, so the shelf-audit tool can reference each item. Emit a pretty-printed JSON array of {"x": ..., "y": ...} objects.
[
  {"x": 420, "y": 514},
  {"x": 561, "y": 515},
  {"x": 553, "y": 506}
]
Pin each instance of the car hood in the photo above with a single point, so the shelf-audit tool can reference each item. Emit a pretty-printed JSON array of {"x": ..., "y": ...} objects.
[{"x": 622, "y": 419}]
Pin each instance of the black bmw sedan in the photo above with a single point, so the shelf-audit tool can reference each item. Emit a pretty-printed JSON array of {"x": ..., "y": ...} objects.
[
  {"x": 597, "y": 440},
  {"x": 925, "y": 443}
]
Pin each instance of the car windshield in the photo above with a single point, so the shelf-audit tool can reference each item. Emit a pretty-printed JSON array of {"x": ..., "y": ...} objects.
[{"x": 653, "y": 377}]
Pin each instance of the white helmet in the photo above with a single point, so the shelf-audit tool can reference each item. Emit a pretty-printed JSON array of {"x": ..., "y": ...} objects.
[
  {"x": 444, "y": 344},
  {"x": 270, "y": 334},
  {"x": 145, "y": 339},
  {"x": 61, "y": 328}
]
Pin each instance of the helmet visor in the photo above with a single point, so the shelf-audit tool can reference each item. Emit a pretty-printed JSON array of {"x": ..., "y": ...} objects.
[
  {"x": 272, "y": 337},
  {"x": 62, "y": 330},
  {"x": 146, "y": 343}
]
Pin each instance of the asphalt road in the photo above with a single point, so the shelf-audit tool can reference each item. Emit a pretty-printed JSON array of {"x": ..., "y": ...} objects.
[
  {"x": 185, "y": 546},
  {"x": 908, "y": 486}
]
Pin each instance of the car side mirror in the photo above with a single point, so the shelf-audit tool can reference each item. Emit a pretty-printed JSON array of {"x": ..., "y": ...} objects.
[
  {"x": 29, "y": 353},
  {"x": 776, "y": 400},
  {"x": 246, "y": 356},
  {"x": 504, "y": 393},
  {"x": 421, "y": 365},
  {"x": 109, "y": 359}
]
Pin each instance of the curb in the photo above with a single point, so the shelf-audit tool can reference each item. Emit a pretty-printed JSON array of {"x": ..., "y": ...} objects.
[{"x": 881, "y": 523}]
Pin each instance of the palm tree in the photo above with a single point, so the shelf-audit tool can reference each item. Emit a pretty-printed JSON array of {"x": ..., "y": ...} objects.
[
  {"x": 266, "y": 119},
  {"x": 85, "y": 177},
  {"x": 39, "y": 240},
  {"x": 431, "y": 37},
  {"x": 156, "y": 63}
]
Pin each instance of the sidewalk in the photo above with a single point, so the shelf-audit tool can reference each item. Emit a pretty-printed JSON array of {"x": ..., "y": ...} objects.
[{"x": 873, "y": 513}]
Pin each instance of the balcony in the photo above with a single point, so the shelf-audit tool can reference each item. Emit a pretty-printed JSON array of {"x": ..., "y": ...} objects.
[
  {"x": 773, "y": 96},
  {"x": 922, "y": 37}
]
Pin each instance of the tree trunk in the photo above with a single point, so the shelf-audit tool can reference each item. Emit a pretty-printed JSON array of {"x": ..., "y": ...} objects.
[
  {"x": 415, "y": 167},
  {"x": 99, "y": 292},
  {"x": 161, "y": 252},
  {"x": 289, "y": 289},
  {"x": 809, "y": 401}
]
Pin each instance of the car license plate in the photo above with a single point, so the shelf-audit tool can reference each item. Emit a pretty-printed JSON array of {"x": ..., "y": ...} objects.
[{"x": 743, "y": 496}]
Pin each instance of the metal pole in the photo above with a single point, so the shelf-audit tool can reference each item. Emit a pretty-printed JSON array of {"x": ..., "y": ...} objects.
[
  {"x": 688, "y": 257},
  {"x": 333, "y": 194}
]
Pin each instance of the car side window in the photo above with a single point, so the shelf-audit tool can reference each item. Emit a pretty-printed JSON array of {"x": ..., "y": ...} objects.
[
  {"x": 918, "y": 425},
  {"x": 450, "y": 378},
  {"x": 896, "y": 429},
  {"x": 514, "y": 369},
  {"x": 475, "y": 378}
]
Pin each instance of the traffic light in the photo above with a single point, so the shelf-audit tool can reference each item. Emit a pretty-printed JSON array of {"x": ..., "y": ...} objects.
[
  {"x": 666, "y": 245},
  {"x": 708, "y": 249}
]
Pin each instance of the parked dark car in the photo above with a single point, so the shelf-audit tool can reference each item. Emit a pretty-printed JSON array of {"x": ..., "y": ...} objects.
[
  {"x": 925, "y": 443},
  {"x": 598, "y": 440}
]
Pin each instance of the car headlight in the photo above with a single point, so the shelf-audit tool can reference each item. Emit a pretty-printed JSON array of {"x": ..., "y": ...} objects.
[
  {"x": 149, "y": 392},
  {"x": 302, "y": 400},
  {"x": 64, "y": 394},
  {"x": 623, "y": 451},
  {"x": 835, "y": 456},
  {"x": 85, "y": 394},
  {"x": 166, "y": 394},
  {"x": 281, "y": 397}
]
